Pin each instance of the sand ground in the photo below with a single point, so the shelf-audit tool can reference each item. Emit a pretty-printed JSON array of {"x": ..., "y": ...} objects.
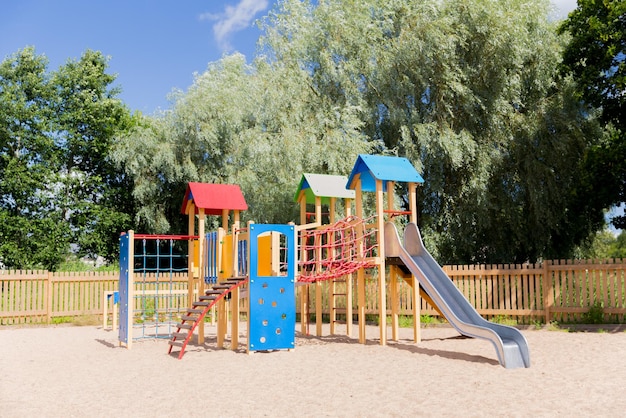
[{"x": 70, "y": 371}]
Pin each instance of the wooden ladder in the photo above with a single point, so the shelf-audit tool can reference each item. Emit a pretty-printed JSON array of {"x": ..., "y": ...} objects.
[
  {"x": 199, "y": 309},
  {"x": 334, "y": 296}
]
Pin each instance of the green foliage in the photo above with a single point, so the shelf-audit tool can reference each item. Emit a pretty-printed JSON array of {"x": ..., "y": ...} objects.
[
  {"x": 504, "y": 320},
  {"x": 596, "y": 55},
  {"x": 74, "y": 264},
  {"x": 517, "y": 167},
  {"x": 257, "y": 126},
  {"x": 426, "y": 320},
  {"x": 603, "y": 244},
  {"x": 595, "y": 314},
  {"x": 470, "y": 92},
  {"x": 618, "y": 247},
  {"x": 57, "y": 183}
]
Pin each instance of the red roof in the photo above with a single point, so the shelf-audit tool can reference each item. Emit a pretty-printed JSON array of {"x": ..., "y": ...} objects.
[{"x": 214, "y": 198}]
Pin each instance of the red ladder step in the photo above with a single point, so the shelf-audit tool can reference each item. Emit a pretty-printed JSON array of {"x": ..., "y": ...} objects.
[{"x": 191, "y": 321}]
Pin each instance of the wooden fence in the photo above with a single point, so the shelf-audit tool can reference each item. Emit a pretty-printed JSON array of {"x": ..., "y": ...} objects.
[
  {"x": 565, "y": 291},
  {"x": 33, "y": 297}
]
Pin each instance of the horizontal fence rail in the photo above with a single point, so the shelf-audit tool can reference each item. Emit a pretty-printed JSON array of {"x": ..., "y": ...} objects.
[
  {"x": 559, "y": 290},
  {"x": 36, "y": 297}
]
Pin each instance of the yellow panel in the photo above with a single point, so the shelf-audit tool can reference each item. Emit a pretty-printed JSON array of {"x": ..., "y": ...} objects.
[
  {"x": 227, "y": 258},
  {"x": 265, "y": 255},
  {"x": 195, "y": 254}
]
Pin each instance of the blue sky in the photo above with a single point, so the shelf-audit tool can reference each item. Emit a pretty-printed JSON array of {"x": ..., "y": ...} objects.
[{"x": 154, "y": 46}]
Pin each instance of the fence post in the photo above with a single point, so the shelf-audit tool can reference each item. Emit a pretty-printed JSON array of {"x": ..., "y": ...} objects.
[
  {"x": 48, "y": 298},
  {"x": 548, "y": 298}
]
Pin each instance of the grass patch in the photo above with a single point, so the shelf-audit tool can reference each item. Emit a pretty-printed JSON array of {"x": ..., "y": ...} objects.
[
  {"x": 504, "y": 320},
  {"x": 79, "y": 321},
  {"x": 58, "y": 320},
  {"x": 555, "y": 326}
]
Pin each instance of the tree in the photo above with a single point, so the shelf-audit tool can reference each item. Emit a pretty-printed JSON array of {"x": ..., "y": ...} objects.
[
  {"x": 32, "y": 233},
  {"x": 596, "y": 55},
  {"x": 57, "y": 185},
  {"x": 470, "y": 92},
  {"x": 259, "y": 126},
  {"x": 93, "y": 195}
]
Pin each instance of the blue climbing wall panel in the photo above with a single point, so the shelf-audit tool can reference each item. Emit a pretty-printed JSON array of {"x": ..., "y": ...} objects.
[
  {"x": 125, "y": 260},
  {"x": 272, "y": 309}
]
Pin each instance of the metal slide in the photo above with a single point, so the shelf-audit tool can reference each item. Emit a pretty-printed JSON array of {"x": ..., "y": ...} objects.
[{"x": 510, "y": 344}]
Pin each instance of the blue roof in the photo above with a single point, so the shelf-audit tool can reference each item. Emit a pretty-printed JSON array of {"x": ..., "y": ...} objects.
[{"x": 384, "y": 168}]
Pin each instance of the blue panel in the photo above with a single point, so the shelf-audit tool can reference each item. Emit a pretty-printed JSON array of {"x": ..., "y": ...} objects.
[
  {"x": 210, "y": 266},
  {"x": 385, "y": 168},
  {"x": 272, "y": 316},
  {"x": 242, "y": 254},
  {"x": 123, "y": 287}
]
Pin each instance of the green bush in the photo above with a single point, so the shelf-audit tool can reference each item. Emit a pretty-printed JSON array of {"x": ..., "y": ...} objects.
[{"x": 595, "y": 315}]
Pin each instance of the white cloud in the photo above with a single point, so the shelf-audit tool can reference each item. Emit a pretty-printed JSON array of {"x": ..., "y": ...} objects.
[
  {"x": 563, "y": 7},
  {"x": 234, "y": 19}
]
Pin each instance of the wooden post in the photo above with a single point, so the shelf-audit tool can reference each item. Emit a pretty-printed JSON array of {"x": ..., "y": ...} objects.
[
  {"x": 191, "y": 230},
  {"x": 412, "y": 205},
  {"x": 417, "y": 302},
  {"x": 391, "y": 188},
  {"x": 234, "y": 328},
  {"x": 318, "y": 289},
  {"x": 332, "y": 286},
  {"x": 235, "y": 295},
  {"x": 221, "y": 322},
  {"x": 548, "y": 297},
  {"x": 360, "y": 284},
  {"x": 304, "y": 319},
  {"x": 201, "y": 251},
  {"x": 360, "y": 275},
  {"x": 49, "y": 290},
  {"x": 349, "y": 277},
  {"x": 318, "y": 259},
  {"x": 382, "y": 294},
  {"x": 393, "y": 287}
]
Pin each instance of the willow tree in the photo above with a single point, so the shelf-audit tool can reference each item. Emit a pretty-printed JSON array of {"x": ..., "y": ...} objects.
[
  {"x": 469, "y": 91},
  {"x": 255, "y": 125}
]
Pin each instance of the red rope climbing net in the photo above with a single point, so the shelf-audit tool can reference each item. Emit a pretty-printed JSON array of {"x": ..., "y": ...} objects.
[{"x": 336, "y": 250}]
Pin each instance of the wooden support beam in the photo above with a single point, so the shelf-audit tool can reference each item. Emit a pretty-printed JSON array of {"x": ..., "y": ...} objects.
[
  {"x": 417, "y": 318},
  {"x": 234, "y": 319},
  {"x": 412, "y": 202},
  {"x": 191, "y": 267},
  {"x": 393, "y": 287},
  {"x": 201, "y": 261},
  {"x": 361, "y": 301},
  {"x": 382, "y": 291},
  {"x": 349, "y": 278}
]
